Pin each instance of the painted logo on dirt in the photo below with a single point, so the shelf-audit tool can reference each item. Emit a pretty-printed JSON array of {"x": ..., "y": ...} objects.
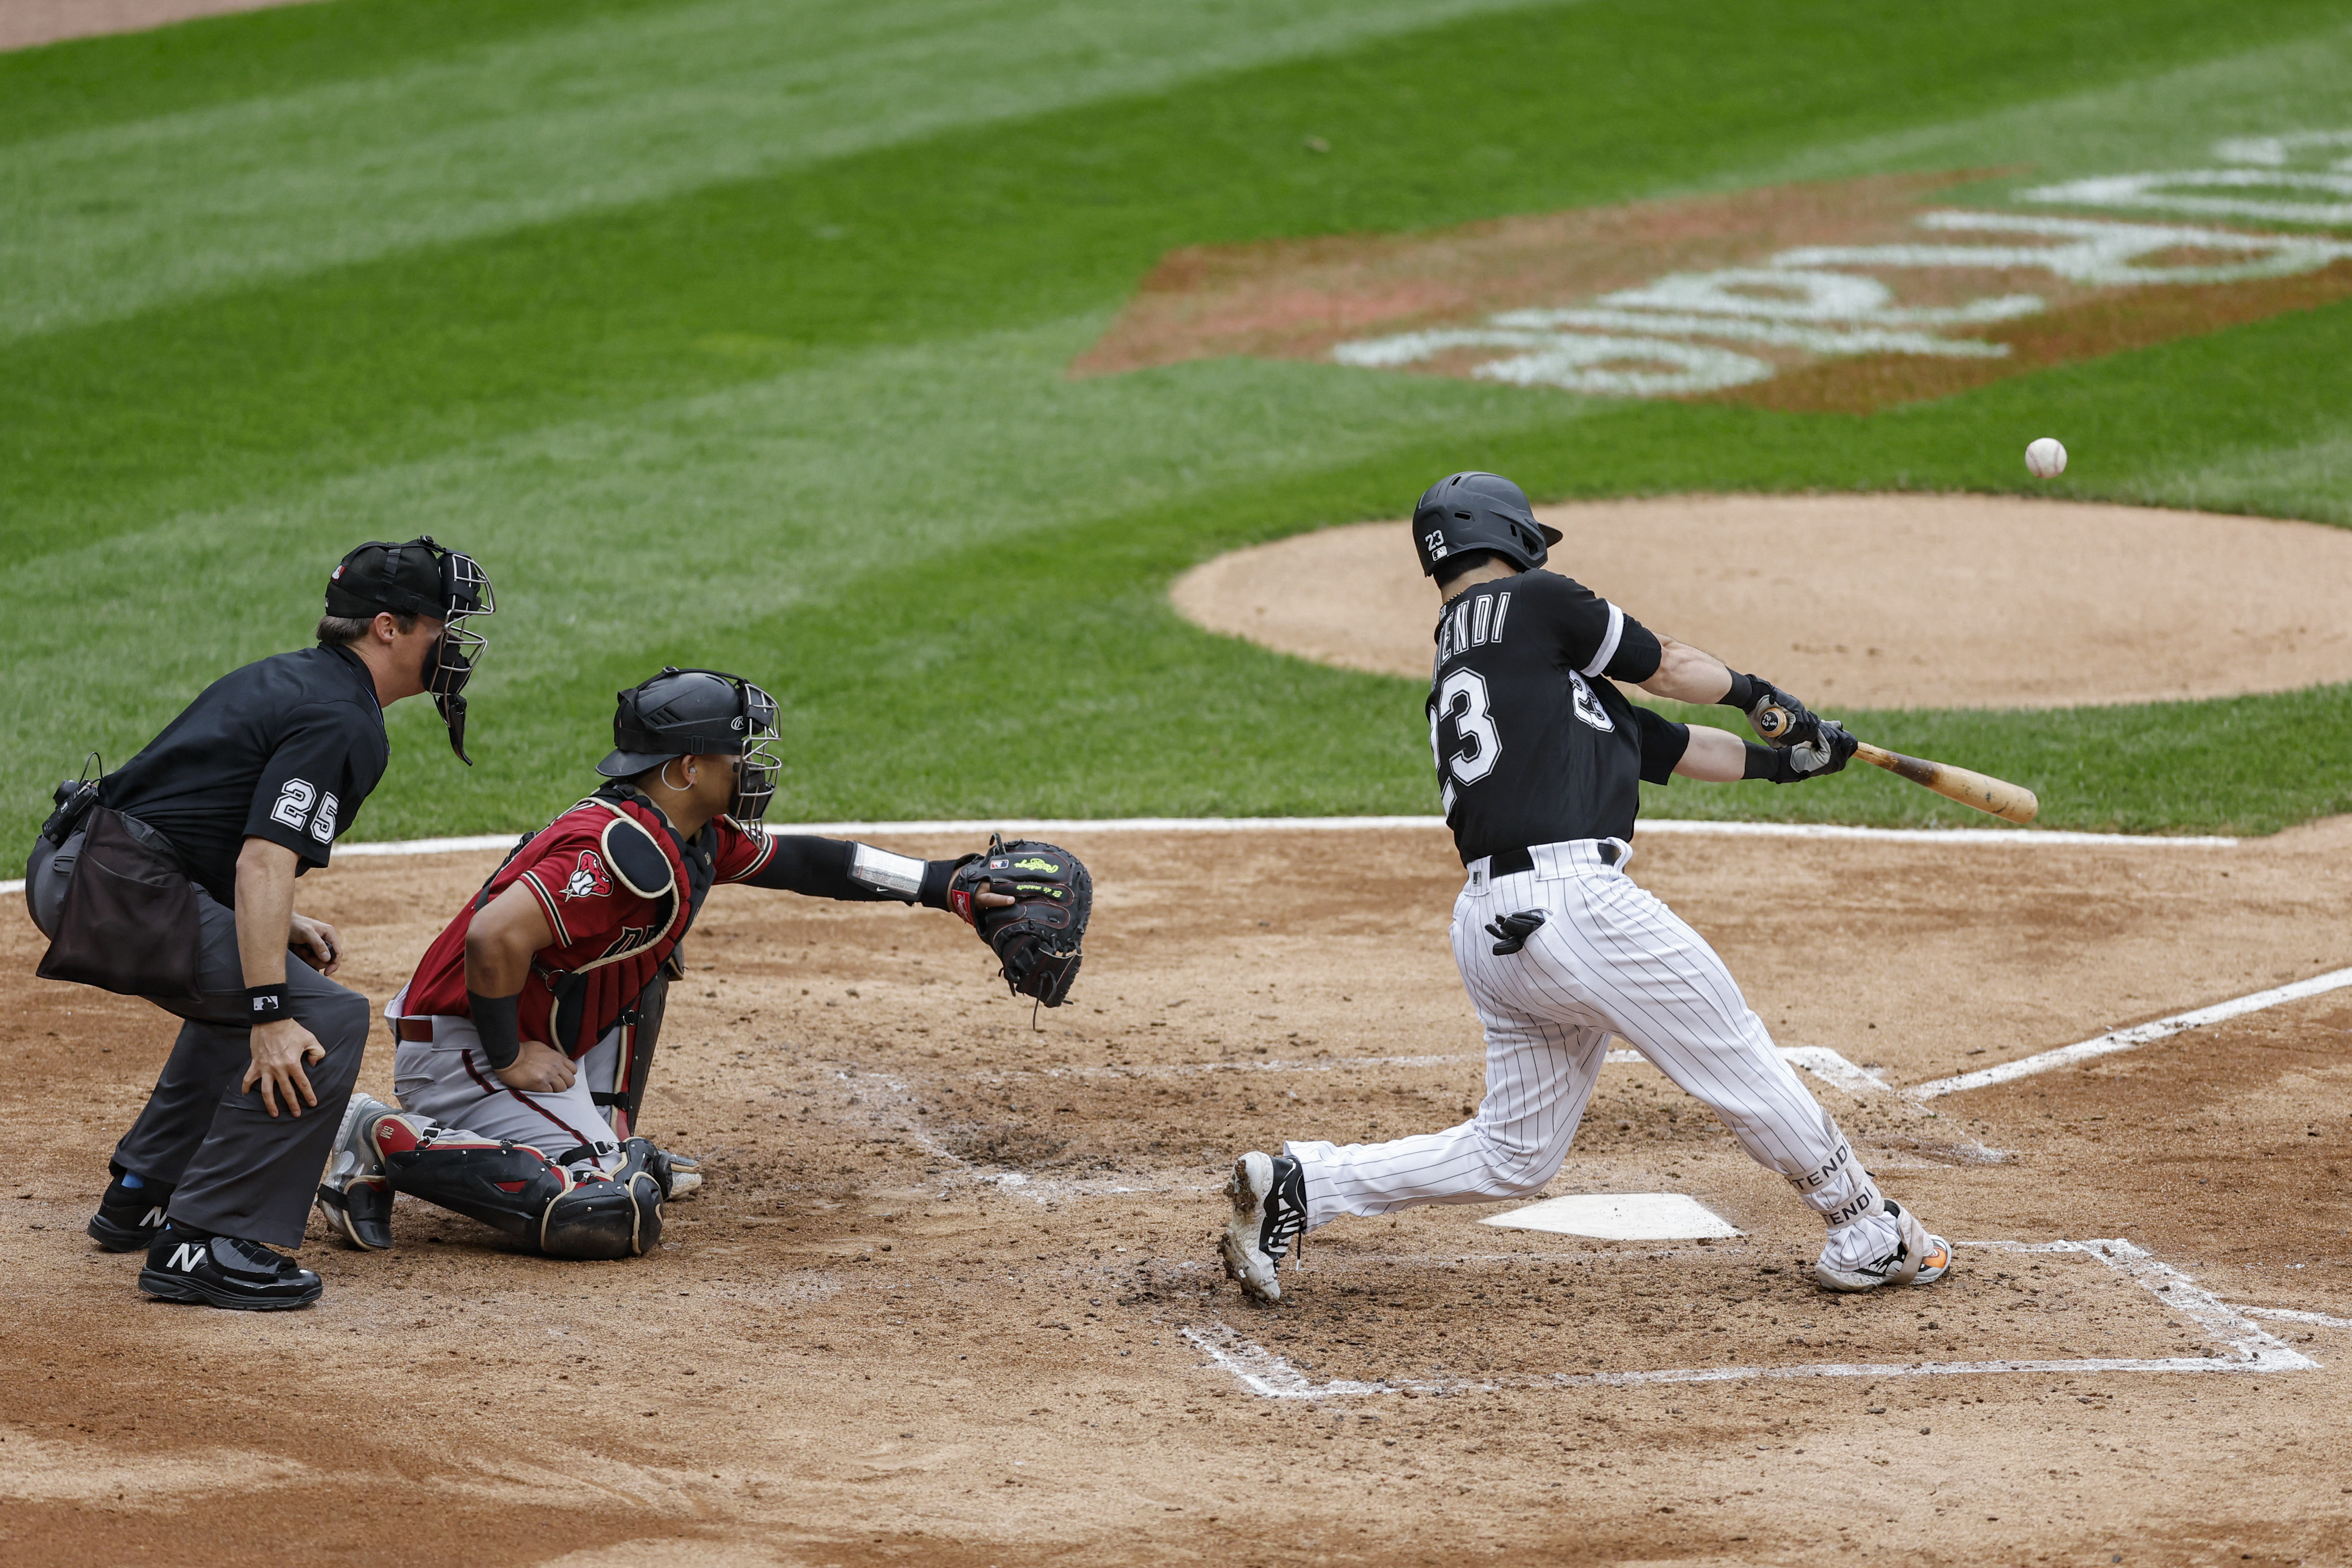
[
  {"x": 588, "y": 879},
  {"x": 1850, "y": 295}
]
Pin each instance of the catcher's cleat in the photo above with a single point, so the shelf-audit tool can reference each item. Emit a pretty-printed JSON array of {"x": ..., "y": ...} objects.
[
  {"x": 356, "y": 1199},
  {"x": 1269, "y": 1197},
  {"x": 128, "y": 1217},
  {"x": 1891, "y": 1247},
  {"x": 226, "y": 1271},
  {"x": 679, "y": 1174}
]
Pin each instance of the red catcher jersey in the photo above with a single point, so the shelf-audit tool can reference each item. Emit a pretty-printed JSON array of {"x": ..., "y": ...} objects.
[{"x": 610, "y": 936}]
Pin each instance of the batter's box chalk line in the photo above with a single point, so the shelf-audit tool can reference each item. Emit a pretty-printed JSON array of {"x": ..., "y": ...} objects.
[
  {"x": 2133, "y": 1038},
  {"x": 2239, "y": 1346}
]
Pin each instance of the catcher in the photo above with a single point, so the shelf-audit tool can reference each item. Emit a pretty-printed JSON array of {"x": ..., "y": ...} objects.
[{"x": 526, "y": 1032}]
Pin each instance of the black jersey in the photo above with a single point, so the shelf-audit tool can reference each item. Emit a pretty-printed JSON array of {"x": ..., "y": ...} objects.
[
  {"x": 1533, "y": 745},
  {"x": 284, "y": 749}
]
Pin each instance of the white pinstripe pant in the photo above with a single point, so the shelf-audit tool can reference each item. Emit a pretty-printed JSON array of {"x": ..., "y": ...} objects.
[{"x": 1610, "y": 959}]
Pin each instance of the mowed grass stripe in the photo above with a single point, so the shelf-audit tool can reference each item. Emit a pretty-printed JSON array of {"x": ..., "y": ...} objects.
[
  {"x": 221, "y": 400},
  {"x": 814, "y": 426},
  {"x": 618, "y": 110}
]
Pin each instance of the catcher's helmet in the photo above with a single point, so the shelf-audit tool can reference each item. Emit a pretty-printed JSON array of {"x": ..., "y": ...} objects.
[
  {"x": 1478, "y": 511},
  {"x": 699, "y": 712}
]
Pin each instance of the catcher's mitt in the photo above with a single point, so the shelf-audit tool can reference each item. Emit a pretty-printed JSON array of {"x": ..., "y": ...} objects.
[{"x": 1036, "y": 936}]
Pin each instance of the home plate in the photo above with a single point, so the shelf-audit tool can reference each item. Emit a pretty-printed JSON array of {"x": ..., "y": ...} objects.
[{"x": 1619, "y": 1217}]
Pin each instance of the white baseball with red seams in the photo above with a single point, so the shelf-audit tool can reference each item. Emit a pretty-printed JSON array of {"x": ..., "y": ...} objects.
[{"x": 2045, "y": 458}]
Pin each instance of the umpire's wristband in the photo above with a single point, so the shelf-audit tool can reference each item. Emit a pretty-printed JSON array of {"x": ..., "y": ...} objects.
[
  {"x": 1774, "y": 763},
  {"x": 496, "y": 1022},
  {"x": 265, "y": 1004},
  {"x": 1742, "y": 695}
]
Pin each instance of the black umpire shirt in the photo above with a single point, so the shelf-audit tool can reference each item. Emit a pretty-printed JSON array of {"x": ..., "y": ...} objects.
[
  {"x": 1533, "y": 745},
  {"x": 285, "y": 749}
]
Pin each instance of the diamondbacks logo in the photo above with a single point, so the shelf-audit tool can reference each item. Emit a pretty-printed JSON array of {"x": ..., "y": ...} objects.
[{"x": 588, "y": 878}]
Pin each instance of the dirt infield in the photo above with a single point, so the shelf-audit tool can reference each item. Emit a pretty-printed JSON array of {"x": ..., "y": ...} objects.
[
  {"x": 25, "y": 22},
  {"x": 949, "y": 1299},
  {"x": 1866, "y": 601}
]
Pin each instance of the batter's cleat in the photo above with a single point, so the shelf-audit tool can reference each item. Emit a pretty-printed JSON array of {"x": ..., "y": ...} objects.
[
  {"x": 679, "y": 1174},
  {"x": 355, "y": 1199},
  {"x": 129, "y": 1217},
  {"x": 224, "y": 1271},
  {"x": 1268, "y": 1192},
  {"x": 1890, "y": 1248}
]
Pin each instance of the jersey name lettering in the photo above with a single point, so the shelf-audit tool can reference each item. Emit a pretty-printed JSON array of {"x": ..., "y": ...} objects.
[{"x": 1476, "y": 620}]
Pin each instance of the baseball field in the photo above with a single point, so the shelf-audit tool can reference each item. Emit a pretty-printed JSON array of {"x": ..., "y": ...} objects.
[{"x": 1001, "y": 386}]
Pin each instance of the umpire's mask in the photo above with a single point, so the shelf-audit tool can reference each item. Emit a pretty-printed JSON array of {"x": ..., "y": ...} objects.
[
  {"x": 422, "y": 577},
  {"x": 699, "y": 713}
]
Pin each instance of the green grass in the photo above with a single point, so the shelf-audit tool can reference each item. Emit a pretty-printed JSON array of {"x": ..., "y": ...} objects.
[{"x": 732, "y": 332}]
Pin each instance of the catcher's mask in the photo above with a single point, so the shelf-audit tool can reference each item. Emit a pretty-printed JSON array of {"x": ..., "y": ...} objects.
[
  {"x": 422, "y": 577},
  {"x": 699, "y": 713},
  {"x": 1478, "y": 511}
]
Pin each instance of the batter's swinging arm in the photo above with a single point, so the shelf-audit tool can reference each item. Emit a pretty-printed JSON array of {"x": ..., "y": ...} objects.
[{"x": 2010, "y": 802}]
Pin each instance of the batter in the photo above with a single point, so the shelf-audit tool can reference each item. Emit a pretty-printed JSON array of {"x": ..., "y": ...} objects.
[{"x": 1539, "y": 760}]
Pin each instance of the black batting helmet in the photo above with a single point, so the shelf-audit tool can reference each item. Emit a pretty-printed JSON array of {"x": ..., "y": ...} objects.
[
  {"x": 1478, "y": 511},
  {"x": 699, "y": 712}
]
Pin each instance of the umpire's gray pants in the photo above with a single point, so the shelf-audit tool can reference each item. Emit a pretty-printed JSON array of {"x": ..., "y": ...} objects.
[{"x": 236, "y": 1170}]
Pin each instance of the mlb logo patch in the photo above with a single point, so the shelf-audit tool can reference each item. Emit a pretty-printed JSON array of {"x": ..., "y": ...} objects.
[{"x": 588, "y": 879}]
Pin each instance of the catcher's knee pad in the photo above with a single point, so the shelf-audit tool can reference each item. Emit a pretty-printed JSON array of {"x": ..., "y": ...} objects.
[
  {"x": 607, "y": 1216},
  {"x": 507, "y": 1186}
]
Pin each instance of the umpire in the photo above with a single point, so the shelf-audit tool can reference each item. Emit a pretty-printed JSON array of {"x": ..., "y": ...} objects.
[{"x": 172, "y": 878}]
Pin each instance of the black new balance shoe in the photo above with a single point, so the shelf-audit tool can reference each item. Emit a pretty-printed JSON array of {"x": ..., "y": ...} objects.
[
  {"x": 129, "y": 1217},
  {"x": 1268, "y": 1192},
  {"x": 224, "y": 1271}
]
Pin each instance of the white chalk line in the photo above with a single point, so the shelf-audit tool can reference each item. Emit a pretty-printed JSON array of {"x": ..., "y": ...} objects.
[
  {"x": 2131, "y": 1038},
  {"x": 2240, "y": 1346},
  {"x": 1668, "y": 826},
  {"x": 2289, "y": 1315}
]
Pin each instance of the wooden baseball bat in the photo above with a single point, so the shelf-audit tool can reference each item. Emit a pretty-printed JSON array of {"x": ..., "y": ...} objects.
[
  {"x": 2010, "y": 802},
  {"x": 2000, "y": 797}
]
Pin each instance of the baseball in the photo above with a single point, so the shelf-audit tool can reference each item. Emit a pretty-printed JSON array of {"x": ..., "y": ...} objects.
[{"x": 2045, "y": 459}]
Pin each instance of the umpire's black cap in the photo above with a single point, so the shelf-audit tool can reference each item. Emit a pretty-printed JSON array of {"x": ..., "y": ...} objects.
[
  {"x": 1478, "y": 511},
  {"x": 418, "y": 578}
]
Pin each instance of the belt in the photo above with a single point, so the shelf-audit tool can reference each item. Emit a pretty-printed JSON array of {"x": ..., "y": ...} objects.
[
  {"x": 1508, "y": 862},
  {"x": 413, "y": 1029}
]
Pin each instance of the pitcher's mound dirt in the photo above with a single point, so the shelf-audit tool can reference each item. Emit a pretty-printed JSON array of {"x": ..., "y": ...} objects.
[{"x": 1865, "y": 600}]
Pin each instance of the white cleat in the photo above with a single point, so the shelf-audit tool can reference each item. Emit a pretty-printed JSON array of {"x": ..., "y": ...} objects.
[
  {"x": 354, "y": 1197},
  {"x": 1891, "y": 1247},
  {"x": 1268, "y": 1192}
]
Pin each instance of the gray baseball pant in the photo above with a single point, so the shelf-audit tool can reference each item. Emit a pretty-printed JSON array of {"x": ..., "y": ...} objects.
[{"x": 235, "y": 1169}]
